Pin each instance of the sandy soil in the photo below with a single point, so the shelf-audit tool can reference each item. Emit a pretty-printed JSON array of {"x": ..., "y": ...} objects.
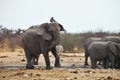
[{"x": 12, "y": 67}]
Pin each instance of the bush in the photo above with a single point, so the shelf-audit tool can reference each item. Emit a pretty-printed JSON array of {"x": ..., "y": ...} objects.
[
  {"x": 72, "y": 42},
  {"x": 10, "y": 39}
]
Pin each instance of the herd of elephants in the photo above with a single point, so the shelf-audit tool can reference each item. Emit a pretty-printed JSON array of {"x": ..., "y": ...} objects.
[{"x": 45, "y": 37}]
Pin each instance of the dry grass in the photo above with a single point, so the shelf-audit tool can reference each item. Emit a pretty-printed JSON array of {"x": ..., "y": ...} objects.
[
  {"x": 12, "y": 67},
  {"x": 8, "y": 49}
]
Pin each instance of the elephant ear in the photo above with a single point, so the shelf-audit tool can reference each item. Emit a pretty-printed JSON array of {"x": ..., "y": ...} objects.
[
  {"x": 112, "y": 47},
  {"x": 45, "y": 35},
  {"x": 61, "y": 27},
  {"x": 42, "y": 31},
  {"x": 52, "y": 20}
]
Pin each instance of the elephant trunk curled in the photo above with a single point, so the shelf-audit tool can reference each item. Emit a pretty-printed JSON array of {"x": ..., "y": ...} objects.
[{"x": 55, "y": 39}]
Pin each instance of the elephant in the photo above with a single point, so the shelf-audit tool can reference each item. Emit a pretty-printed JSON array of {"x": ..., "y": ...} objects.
[
  {"x": 35, "y": 59},
  {"x": 41, "y": 40},
  {"x": 111, "y": 38},
  {"x": 86, "y": 45},
  {"x": 117, "y": 40},
  {"x": 33, "y": 27},
  {"x": 101, "y": 50},
  {"x": 106, "y": 38}
]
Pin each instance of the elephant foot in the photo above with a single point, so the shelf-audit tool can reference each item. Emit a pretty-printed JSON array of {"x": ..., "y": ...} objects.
[
  {"x": 93, "y": 67},
  {"x": 118, "y": 67},
  {"x": 86, "y": 64},
  {"x": 29, "y": 67},
  {"x": 48, "y": 68},
  {"x": 57, "y": 65},
  {"x": 35, "y": 63}
]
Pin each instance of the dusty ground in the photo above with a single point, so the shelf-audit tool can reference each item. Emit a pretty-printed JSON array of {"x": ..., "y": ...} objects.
[{"x": 12, "y": 67}]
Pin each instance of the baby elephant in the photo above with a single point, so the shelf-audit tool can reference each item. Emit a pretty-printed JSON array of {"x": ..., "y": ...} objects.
[{"x": 101, "y": 50}]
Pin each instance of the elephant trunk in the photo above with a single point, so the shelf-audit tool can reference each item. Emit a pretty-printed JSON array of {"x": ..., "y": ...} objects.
[{"x": 56, "y": 39}]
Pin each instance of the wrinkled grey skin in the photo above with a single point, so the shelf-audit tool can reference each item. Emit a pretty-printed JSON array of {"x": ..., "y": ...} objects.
[
  {"x": 117, "y": 40},
  {"x": 106, "y": 38},
  {"x": 86, "y": 45},
  {"x": 36, "y": 58},
  {"x": 42, "y": 39},
  {"x": 101, "y": 50},
  {"x": 111, "y": 38}
]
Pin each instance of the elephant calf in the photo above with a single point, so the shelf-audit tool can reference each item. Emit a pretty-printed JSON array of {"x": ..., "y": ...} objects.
[{"x": 101, "y": 50}]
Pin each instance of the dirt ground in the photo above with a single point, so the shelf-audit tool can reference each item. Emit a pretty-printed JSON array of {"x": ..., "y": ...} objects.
[{"x": 12, "y": 67}]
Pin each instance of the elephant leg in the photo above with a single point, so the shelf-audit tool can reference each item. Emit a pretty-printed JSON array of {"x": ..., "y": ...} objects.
[
  {"x": 57, "y": 57},
  {"x": 113, "y": 63},
  {"x": 86, "y": 58},
  {"x": 36, "y": 62},
  {"x": 117, "y": 62},
  {"x": 29, "y": 64},
  {"x": 35, "y": 59},
  {"x": 47, "y": 60},
  {"x": 118, "y": 66},
  {"x": 94, "y": 64},
  {"x": 112, "y": 59},
  {"x": 106, "y": 63}
]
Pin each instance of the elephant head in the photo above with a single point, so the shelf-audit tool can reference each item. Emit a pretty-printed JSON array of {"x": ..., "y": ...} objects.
[
  {"x": 114, "y": 48},
  {"x": 52, "y": 20},
  {"x": 50, "y": 32}
]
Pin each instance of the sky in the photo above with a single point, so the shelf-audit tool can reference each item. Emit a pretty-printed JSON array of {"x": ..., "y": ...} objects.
[{"x": 74, "y": 15}]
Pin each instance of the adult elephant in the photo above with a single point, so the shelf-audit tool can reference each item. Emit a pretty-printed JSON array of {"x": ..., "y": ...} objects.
[
  {"x": 111, "y": 38},
  {"x": 42, "y": 39},
  {"x": 36, "y": 58},
  {"x": 101, "y": 50},
  {"x": 86, "y": 45},
  {"x": 115, "y": 39}
]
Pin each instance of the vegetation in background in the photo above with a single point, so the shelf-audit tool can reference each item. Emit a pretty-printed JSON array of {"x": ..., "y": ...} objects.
[
  {"x": 10, "y": 40},
  {"x": 74, "y": 42}
]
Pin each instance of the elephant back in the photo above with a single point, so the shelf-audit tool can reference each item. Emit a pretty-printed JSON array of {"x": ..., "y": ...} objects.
[
  {"x": 115, "y": 39},
  {"x": 90, "y": 40}
]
